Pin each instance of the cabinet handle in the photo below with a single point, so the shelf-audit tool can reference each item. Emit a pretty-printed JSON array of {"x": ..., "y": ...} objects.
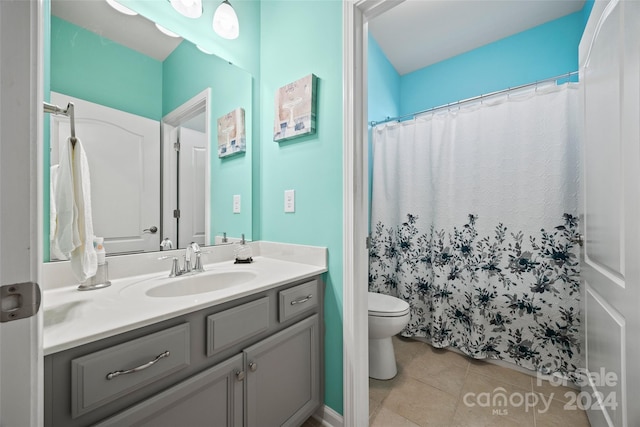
[
  {"x": 253, "y": 366},
  {"x": 301, "y": 300},
  {"x": 112, "y": 375},
  {"x": 240, "y": 375}
]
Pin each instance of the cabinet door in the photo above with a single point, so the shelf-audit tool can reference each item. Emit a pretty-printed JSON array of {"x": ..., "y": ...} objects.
[
  {"x": 212, "y": 398},
  {"x": 283, "y": 376}
]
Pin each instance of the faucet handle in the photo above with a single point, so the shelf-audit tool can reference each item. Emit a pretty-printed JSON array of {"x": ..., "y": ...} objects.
[
  {"x": 175, "y": 269},
  {"x": 198, "y": 264}
]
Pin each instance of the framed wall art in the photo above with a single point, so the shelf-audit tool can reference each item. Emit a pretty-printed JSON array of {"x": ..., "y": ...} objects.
[
  {"x": 232, "y": 138},
  {"x": 295, "y": 109}
]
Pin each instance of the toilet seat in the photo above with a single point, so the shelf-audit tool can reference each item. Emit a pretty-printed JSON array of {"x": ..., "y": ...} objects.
[{"x": 381, "y": 305}]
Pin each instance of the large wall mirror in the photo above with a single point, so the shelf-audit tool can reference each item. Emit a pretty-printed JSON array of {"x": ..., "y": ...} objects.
[{"x": 146, "y": 112}]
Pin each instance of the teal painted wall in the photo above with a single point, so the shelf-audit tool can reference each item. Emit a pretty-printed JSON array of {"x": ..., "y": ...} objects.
[
  {"x": 586, "y": 10},
  {"x": 230, "y": 88},
  {"x": 383, "y": 83},
  {"x": 310, "y": 42},
  {"x": 87, "y": 66},
  {"x": 242, "y": 52},
  {"x": 545, "y": 51}
]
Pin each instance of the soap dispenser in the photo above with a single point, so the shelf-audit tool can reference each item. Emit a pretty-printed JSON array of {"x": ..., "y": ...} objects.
[{"x": 243, "y": 253}]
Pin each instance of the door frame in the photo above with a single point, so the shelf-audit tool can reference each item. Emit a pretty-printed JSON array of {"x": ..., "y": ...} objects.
[
  {"x": 21, "y": 220},
  {"x": 356, "y": 15},
  {"x": 168, "y": 188}
]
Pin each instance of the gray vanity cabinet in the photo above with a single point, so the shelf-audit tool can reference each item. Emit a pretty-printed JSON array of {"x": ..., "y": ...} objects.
[
  {"x": 252, "y": 362},
  {"x": 283, "y": 376},
  {"x": 212, "y": 398}
]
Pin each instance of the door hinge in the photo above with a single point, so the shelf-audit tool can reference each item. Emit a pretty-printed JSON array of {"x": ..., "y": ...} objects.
[
  {"x": 176, "y": 146},
  {"x": 19, "y": 301},
  {"x": 176, "y": 213},
  {"x": 368, "y": 242}
]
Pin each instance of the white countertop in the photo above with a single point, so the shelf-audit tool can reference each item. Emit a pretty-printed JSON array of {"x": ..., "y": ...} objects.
[{"x": 73, "y": 318}]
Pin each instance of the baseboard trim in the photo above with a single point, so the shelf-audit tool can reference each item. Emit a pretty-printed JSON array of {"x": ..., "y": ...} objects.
[{"x": 328, "y": 417}]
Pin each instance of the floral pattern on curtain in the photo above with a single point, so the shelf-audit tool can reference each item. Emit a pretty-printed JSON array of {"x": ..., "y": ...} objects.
[{"x": 507, "y": 296}]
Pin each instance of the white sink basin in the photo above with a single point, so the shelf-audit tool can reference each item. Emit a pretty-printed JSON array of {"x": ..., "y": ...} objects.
[{"x": 200, "y": 283}]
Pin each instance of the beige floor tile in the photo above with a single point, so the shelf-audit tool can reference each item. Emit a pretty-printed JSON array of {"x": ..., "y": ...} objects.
[
  {"x": 406, "y": 349},
  {"x": 421, "y": 403},
  {"x": 387, "y": 418},
  {"x": 374, "y": 407},
  {"x": 556, "y": 391},
  {"x": 311, "y": 422},
  {"x": 500, "y": 373},
  {"x": 380, "y": 389},
  {"x": 491, "y": 402},
  {"x": 560, "y": 414},
  {"x": 444, "y": 370},
  {"x": 478, "y": 417}
]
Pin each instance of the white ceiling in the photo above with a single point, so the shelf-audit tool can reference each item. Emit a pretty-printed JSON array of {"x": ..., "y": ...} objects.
[
  {"x": 135, "y": 32},
  {"x": 418, "y": 33}
]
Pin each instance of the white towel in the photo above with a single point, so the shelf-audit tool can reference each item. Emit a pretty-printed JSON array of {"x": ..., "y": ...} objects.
[
  {"x": 54, "y": 250},
  {"x": 74, "y": 224}
]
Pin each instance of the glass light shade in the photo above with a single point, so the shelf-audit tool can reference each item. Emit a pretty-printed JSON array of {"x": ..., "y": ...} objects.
[
  {"x": 163, "y": 30},
  {"x": 188, "y": 8},
  {"x": 120, "y": 8},
  {"x": 203, "y": 50},
  {"x": 225, "y": 21}
]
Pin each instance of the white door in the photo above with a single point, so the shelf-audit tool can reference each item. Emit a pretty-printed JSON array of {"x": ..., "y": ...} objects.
[
  {"x": 186, "y": 173},
  {"x": 21, "y": 379},
  {"x": 123, "y": 152},
  {"x": 191, "y": 192},
  {"x": 610, "y": 74}
]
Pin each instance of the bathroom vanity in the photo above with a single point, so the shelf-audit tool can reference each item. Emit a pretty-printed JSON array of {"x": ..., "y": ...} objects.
[{"x": 248, "y": 354}]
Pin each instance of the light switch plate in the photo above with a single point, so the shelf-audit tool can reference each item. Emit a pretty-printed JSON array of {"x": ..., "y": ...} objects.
[
  {"x": 236, "y": 203},
  {"x": 289, "y": 201}
]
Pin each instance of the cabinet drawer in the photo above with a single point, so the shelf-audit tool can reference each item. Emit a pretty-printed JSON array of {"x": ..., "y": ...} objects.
[
  {"x": 235, "y": 325},
  {"x": 103, "y": 376},
  {"x": 298, "y": 299}
]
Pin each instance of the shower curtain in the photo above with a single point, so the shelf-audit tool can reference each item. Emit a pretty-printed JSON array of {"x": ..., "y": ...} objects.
[{"x": 472, "y": 219}]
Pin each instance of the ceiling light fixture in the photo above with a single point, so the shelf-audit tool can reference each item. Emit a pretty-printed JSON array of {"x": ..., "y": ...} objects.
[
  {"x": 163, "y": 30},
  {"x": 225, "y": 21},
  {"x": 203, "y": 50},
  {"x": 120, "y": 8},
  {"x": 188, "y": 8}
]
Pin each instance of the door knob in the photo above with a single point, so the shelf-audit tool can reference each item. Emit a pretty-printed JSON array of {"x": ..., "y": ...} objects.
[
  {"x": 253, "y": 366},
  {"x": 153, "y": 230},
  {"x": 240, "y": 375}
]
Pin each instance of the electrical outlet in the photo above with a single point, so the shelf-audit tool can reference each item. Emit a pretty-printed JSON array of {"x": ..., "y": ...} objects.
[
  {"x": 289, "y": 201},
  {"x": 236, "y": 203}
]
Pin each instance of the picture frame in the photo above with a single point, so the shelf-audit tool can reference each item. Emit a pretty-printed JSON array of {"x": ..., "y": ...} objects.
[
  {"x": 232, "y": 138},
  {"x": 295, "y": 109}
]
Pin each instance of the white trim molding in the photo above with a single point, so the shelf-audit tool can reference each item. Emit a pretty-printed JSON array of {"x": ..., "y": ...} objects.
[
  {"x": 355, "y": 332},
  {"x": 356, "y": 14},
  {"x": 328, "y": 417}
]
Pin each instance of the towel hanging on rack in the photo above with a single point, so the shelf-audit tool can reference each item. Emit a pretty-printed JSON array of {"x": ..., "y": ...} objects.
[{"x": 74, "y": 222}]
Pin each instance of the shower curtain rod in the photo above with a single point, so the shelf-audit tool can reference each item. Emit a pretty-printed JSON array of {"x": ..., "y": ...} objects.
[
  {"x": 475, "y": 98},
  {"x": 69, "y": 111}
]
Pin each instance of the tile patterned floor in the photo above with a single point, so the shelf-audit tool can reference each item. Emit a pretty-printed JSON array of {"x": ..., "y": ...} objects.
[
  {"x": 431, "y": 386},
  {"x": 440, "y": 388}
]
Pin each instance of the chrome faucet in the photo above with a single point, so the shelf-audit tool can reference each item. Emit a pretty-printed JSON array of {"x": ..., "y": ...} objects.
[
  {"x": 192, "y": 262},
  {"x": 166, "y": 244}
]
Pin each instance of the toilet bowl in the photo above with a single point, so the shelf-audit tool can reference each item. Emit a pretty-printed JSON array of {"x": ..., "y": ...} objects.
[{"x": 387, "y": 316}]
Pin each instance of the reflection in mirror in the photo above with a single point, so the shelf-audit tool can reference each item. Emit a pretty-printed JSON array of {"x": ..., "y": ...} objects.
[{"x": 138, "y": 179}]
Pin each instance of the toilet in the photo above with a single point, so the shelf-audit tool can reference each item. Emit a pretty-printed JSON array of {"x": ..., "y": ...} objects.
[{"x": 387, "y": 317}]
